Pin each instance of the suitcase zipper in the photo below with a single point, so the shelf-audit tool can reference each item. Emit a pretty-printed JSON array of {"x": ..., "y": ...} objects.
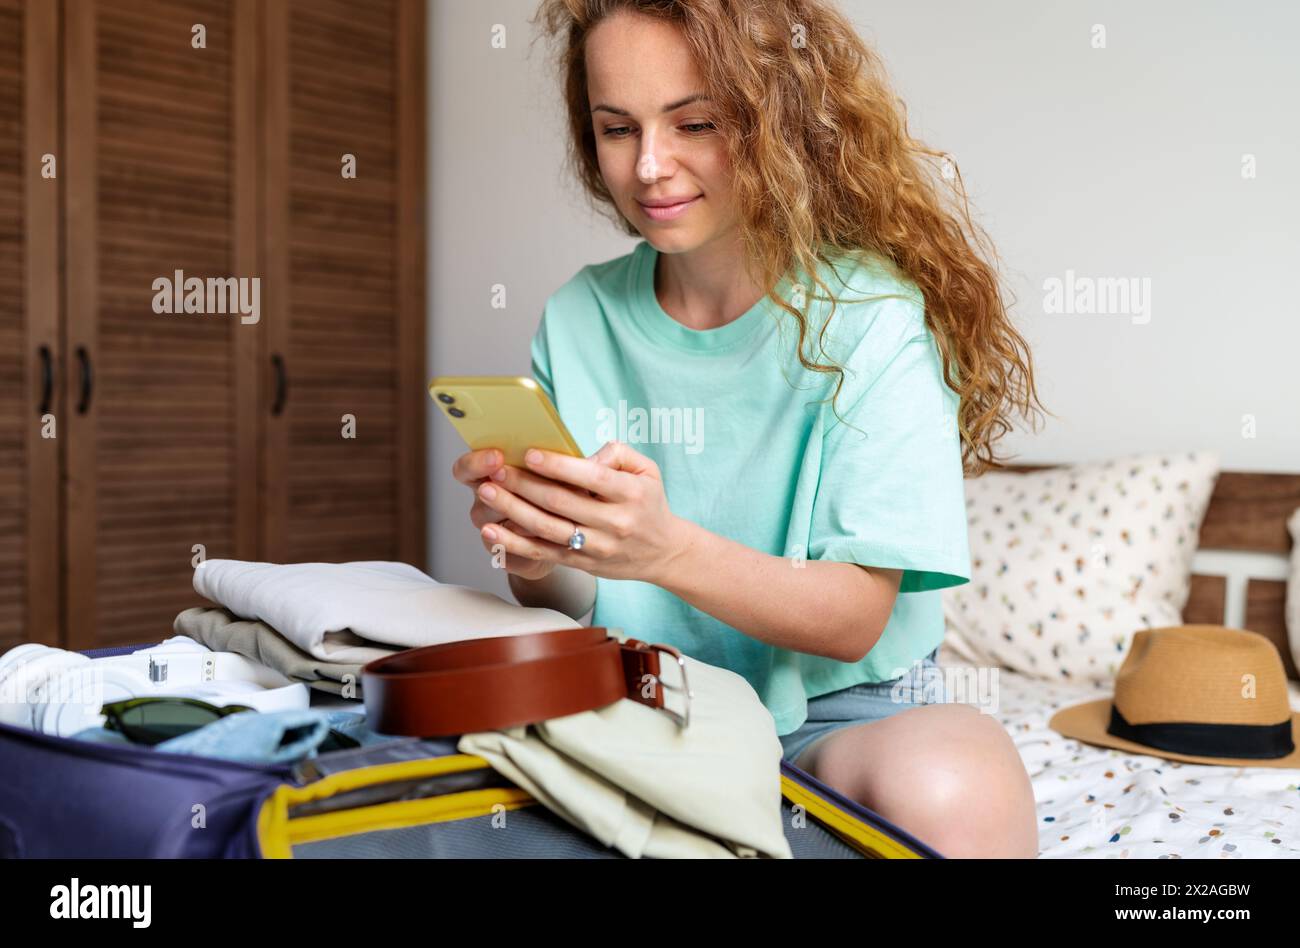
[{"x": 279, "y": 829}]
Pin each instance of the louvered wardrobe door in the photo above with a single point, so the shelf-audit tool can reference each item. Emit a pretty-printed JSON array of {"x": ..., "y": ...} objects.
[
  {"x": 161, "y": 439},
  {"x": 344, "y": 198},
  {"x": 29, "y": 261}
]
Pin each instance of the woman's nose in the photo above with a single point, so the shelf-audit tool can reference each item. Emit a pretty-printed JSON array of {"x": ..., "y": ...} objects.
[
  {"x": 647, "y": 169},
  {"x": 653, "y": 164}
]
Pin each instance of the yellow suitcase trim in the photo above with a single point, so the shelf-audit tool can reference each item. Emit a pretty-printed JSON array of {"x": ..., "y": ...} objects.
[
  {"x": 863, "y": 837},
  {"x": 277, "y": 833},
  {"x": 405, "y": 813}
]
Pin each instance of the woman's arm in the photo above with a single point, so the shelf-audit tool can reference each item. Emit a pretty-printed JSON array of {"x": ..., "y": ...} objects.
[
  {"x": 563, "y": 589},
  {"x": 821, "y": 607},
  {"x": 834, "y": 609}
]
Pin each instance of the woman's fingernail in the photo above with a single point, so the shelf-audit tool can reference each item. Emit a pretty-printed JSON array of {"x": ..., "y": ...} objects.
[
  {"x": 533, "y": 456},
  {"x": 499, "y": 474},
  {"x": 490, "y": 533},
  {"x": 487, "y": 491}
]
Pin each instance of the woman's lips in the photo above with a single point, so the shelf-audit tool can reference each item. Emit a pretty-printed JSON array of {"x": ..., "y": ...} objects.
[{"x": 671, "y": 212}]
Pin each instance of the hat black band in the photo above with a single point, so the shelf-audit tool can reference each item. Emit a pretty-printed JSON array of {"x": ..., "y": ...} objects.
[{"x": 1252, "y": 741}]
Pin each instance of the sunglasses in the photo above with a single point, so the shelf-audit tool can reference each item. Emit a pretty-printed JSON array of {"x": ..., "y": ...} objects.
[{"x": 151, "y": 721}]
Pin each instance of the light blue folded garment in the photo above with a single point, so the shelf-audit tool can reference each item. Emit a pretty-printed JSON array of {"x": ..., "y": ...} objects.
[
  {"x": 252, "y": 737},
  {"x": 353, "y": 724},
  {"x": 260, "y": 737},
  {"x": 101, "y": 735}
]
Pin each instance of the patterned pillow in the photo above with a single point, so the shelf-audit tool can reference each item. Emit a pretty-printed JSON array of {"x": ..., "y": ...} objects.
[
  {"x": 1293, "y": 589},
  {"x": 1066, "y": 564}
]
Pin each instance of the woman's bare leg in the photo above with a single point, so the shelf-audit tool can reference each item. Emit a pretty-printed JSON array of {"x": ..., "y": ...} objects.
[{"x": 944, "y": 772}]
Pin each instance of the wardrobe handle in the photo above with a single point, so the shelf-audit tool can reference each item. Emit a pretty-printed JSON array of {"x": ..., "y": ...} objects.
[
  {"x": 47, "y": 380},
  {"x": 281, "y": 385},
  {"x": 87, "y": 380}
]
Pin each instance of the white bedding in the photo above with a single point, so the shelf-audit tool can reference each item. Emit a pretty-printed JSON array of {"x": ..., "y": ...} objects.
[{"x": 1094, "y": 802}]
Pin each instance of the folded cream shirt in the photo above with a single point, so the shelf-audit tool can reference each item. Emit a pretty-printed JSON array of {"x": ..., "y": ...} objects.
[
  {"x": 346, "y": 612},
  {"x": 626, "y": 774}
]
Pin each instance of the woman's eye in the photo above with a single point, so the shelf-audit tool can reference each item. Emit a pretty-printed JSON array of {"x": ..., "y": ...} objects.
[{"x": 695, "y": 128}]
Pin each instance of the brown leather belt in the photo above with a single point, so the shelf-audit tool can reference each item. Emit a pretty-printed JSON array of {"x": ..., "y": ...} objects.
[{"x": 504, "y": 681}]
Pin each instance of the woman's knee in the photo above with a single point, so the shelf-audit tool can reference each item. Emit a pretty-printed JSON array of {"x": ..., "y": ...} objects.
[
  {"x": 969, "y": 794},
  {"x": 949, "y": 775}
]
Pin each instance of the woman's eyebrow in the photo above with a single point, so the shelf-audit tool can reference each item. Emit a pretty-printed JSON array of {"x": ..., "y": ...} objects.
[{"x": 699, "y": 96}]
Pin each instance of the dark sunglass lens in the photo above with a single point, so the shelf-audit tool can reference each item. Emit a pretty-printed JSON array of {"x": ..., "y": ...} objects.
[
  {"x": 163, "y": 720},
  {"x": 337, "y": 741}
]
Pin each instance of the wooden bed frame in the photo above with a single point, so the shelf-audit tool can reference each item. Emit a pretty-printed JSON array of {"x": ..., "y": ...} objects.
[{"x": 1248, "y": 513}]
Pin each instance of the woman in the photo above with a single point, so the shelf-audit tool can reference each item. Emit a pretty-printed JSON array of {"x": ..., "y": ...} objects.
[{"x": 816, "y": 507}]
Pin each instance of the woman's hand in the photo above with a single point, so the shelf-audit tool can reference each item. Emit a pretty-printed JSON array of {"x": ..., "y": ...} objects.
[
  {"x": 615, "y": 497},
  {"x": 474, "y": 468}
]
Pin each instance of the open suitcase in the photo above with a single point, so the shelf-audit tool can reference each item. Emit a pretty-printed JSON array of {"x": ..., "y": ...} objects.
[{"x": 404, "y": 798}]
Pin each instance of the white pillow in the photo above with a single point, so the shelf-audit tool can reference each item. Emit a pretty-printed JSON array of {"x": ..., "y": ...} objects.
[
  {"x": 1067, "y": 563},
  {"x": 1293, "y": 589}
]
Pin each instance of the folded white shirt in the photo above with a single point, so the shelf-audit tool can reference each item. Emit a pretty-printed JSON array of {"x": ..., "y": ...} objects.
[{"x": 347, "y": 612}]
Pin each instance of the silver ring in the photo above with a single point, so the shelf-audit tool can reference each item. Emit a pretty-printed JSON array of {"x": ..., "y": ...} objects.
[{"x": 576, "y": 541}]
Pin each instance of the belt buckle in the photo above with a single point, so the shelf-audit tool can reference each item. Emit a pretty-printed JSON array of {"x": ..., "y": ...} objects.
[{"x": 682, "y": 720}]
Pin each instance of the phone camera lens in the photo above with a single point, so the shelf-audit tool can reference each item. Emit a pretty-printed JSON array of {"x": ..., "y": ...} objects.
[
  {"x": 455, "y": 413},
  {"x": 445, "y": 398}
]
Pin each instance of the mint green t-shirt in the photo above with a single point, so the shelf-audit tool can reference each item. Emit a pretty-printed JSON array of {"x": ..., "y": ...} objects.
[{"x": 745, "y": 451}]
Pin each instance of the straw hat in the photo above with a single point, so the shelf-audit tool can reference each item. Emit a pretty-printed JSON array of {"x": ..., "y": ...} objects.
[{"x": 1199, "y": 693}]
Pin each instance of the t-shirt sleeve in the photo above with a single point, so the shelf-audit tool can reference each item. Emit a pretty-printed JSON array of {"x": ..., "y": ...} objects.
[
  {"x": 894, "y": 497},
  {"x": 541, "y": 367}
]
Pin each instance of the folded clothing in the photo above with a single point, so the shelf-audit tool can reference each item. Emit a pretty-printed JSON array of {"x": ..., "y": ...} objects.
[
  {"x": 342, "y": 612},
  {"x": 222, "y": 631},
  {"x": 250, "y": 737},
  {"x": 256, "y": 737},
  {"x": 628, "y": 775}
]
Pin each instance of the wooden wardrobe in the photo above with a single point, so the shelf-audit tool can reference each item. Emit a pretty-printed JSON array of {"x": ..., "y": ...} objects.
[{"x": 213, "y": 138}]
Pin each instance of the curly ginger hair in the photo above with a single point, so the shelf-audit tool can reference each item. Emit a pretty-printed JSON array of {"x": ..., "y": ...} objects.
[{"x": 824, "y": 165}]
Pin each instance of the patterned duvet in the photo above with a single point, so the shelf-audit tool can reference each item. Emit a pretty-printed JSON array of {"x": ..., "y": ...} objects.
[{"x": 1098, "y": 803}]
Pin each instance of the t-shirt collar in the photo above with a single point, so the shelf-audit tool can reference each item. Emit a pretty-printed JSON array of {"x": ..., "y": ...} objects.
[{"x": 662, "y": 327}]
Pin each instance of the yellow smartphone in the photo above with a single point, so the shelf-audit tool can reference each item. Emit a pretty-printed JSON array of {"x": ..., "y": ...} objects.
[{"x": 510, "y": 413}]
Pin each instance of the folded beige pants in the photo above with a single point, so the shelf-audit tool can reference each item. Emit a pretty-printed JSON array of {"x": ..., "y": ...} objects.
[{"x": 626, "y": 773}]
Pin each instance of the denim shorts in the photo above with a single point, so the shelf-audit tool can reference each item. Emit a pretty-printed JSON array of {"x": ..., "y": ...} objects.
[{"x": 869, "y": 701}]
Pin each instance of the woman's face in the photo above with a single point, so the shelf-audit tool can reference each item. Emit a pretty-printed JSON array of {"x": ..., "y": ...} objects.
[{"x": 636, "y": 66}]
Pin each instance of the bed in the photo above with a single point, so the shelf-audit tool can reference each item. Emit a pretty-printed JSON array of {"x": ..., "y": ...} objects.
[{"x": 1094, "y": 802}]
